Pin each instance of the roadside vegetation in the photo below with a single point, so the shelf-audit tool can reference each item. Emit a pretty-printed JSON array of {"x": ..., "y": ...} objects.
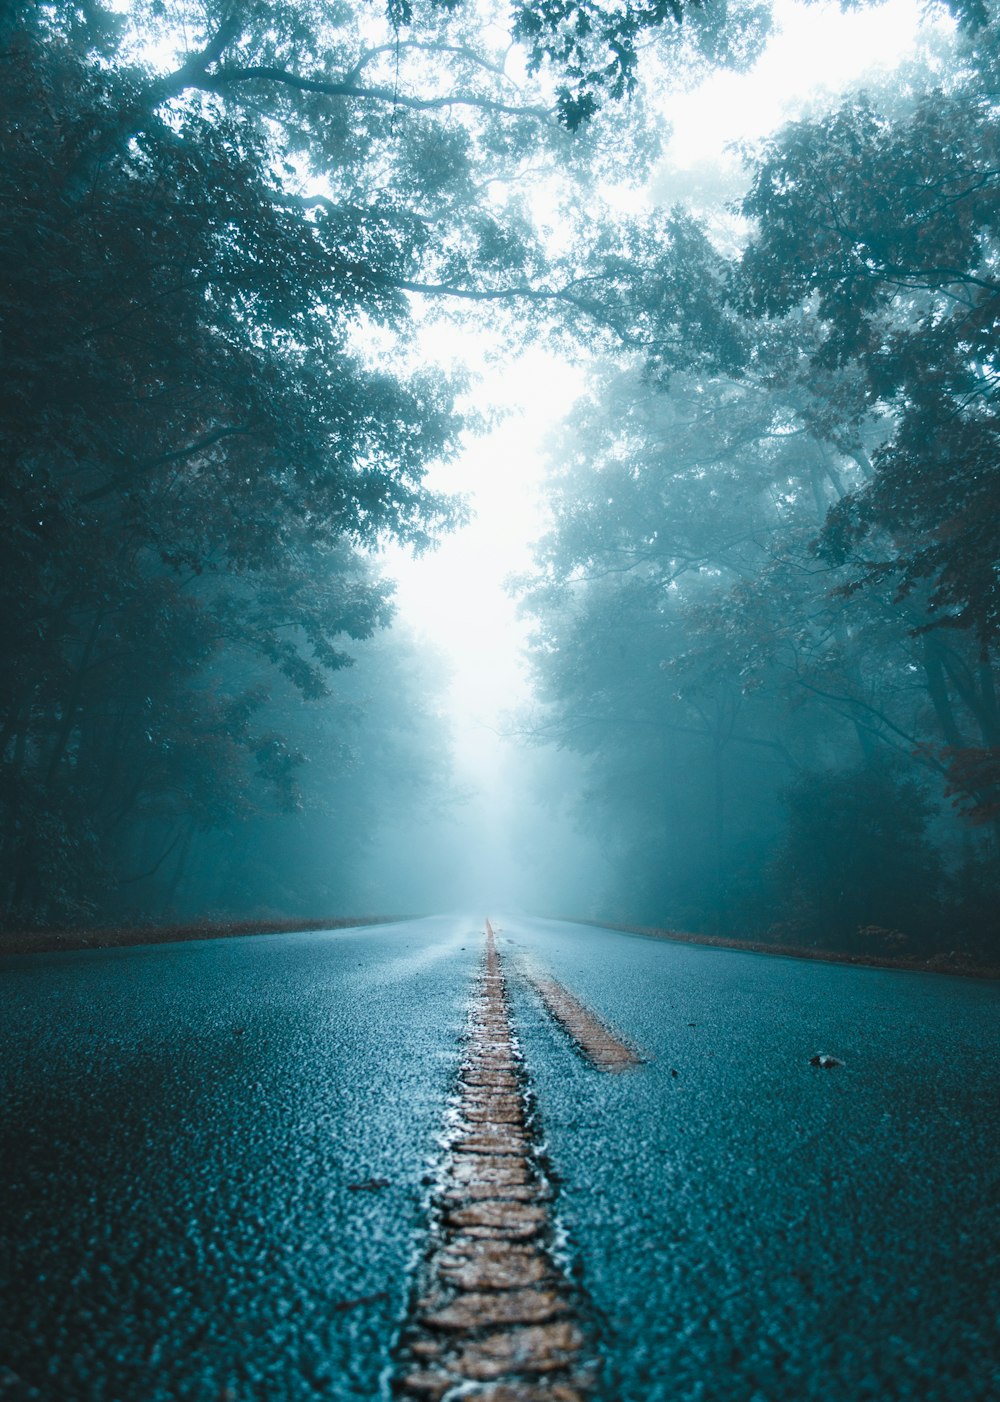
[
  {"x": 224, "y": 226},
  {"x": 767, "y": 607}
]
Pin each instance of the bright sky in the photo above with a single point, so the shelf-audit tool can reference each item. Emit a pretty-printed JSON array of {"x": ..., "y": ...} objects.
[
  {"x": 815, "y": 49},
  {"x": 456, "y": 597}
]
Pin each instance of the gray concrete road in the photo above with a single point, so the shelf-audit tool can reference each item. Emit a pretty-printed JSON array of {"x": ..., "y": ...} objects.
[{"x": 216, "y": 1158}]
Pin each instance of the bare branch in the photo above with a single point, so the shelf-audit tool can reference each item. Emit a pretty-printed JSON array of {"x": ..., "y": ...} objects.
[
  {"x": 197, "y": 65},
  {"x": 524, "y": 292},
  {"x": 855, "y": 702},
  {"x": 460, "y": 50},
  {"x": 189, "y": 451},
  {"x": 228, "y": 78}
]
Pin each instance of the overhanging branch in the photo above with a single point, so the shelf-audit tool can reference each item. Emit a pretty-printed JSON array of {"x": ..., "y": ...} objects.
[{"x": 228, "y": 78}]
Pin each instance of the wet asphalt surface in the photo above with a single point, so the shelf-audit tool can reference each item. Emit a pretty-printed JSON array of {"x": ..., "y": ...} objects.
[{"x": 215, "y": 1159}]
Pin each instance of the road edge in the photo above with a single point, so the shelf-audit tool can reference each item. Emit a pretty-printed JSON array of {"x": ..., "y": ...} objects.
[
  {"x": 123, "y": 936},
  {"x": 934, "y": 965}
]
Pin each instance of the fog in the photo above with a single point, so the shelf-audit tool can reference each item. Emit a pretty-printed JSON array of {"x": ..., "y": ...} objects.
[{"x": 503, "y": 470}]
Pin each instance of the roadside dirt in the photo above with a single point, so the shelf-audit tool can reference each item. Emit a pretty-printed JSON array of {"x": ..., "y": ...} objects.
[
  {"x": 950, "y": 963},
  {"x": 114, "y": 936}
]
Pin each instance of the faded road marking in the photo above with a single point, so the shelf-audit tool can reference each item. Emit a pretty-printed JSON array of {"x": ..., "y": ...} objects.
[
  {"x": 599, "y": 1045},
  {"x": 493, "y": 1316}
]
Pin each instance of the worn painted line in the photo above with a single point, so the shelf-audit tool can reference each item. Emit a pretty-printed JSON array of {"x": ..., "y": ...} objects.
[
  {"x": 493, "y": 1316},
  {"x": 597, "y": 1042}
]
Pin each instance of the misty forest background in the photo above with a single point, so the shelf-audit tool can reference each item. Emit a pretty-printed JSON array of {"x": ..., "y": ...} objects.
[{"x": 765, "y": 607}]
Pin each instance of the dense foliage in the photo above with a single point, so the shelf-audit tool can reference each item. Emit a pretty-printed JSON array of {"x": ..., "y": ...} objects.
[
  {"x": 214, "y": 406},
  {"x": 193, "y": 455},
  {"x": 767, "y": 607}
]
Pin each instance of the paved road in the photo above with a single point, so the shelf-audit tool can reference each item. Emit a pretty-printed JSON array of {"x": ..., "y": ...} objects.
[{"x": 215, "y": 1159}]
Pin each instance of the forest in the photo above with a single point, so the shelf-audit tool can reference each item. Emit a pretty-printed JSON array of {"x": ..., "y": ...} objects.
[{"x": 765, "y": 607}]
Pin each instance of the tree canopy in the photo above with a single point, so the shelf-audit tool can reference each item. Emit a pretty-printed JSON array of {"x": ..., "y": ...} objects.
[
  {"x": 215, "y": 407},
  {"x": 774, "y": 536},
  {"x": 771, "y": 575}
]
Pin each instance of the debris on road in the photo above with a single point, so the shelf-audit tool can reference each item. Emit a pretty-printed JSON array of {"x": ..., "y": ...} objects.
[{"x": 339, "y": 1306}]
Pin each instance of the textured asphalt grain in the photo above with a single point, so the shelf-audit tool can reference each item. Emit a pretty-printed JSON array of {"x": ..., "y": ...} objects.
[
  {"x": 757, "y": 1229},
  {"x": 214, "y": 1165},
  {"x": 212, "y": 1158}
]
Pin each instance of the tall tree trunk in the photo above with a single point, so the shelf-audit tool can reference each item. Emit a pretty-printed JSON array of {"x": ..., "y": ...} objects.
[
  {"x": 719, "y": 831},
  {"x": 14, "y": 845},
  {"x": 987, "y": 689},
  {"x": 179, "y": 869},
  {"x": 73, "y": 703},
  {"x": 937, "y": 689}
]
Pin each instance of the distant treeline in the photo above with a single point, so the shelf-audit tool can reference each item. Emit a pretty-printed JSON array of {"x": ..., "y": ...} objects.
[{"x": 39, "y": 941}]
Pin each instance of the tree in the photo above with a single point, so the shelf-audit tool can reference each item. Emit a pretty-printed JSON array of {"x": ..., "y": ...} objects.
[
  {"x": 656, "y": 654},
  {"x": 897, "y": 246},
  {"x": 193, "y": 451},
  {"x": 857, "y": 867},
  {"x": 221, "y": 220},
  {"x": 887, "y": 226},
  {"x": 791, "y": 506}
]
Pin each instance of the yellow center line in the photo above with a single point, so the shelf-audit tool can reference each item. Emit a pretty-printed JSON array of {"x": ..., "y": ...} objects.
[
  {"x": 493, "y": 1315},
  {"x": 597, "y": 1042}
]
